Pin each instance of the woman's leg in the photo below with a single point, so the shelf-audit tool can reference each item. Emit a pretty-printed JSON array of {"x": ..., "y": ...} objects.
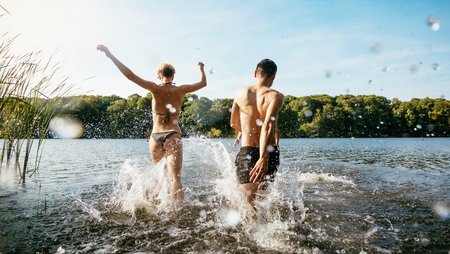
[
  {"x": 156, "y": 151},
  {"x": 174, "y": 157}
]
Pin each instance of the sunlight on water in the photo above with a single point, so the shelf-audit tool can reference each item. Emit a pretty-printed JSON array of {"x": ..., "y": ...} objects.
[{"x": 66, "y": 127}]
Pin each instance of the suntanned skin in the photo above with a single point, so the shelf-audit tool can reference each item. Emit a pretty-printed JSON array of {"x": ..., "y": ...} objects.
[
  {"x": 254, "y": 113},
  {"x": 164, "y": 94}
]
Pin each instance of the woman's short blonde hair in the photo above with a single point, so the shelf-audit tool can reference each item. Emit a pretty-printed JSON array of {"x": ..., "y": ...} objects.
[{"x": 165, "y": 70}]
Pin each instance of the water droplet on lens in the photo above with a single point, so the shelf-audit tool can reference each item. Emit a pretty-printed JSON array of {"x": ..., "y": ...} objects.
[
  {"x": 305, "y": 103},
  {"x": 259, "y": 122},
  {"x": 386, "y": 68},
  {"x": 370, "y": 82},
  {"x": 436, "y": 67},
  {"x": 442, "y": 210},
  {"x": 230, "y": 217},
  {"x": 328, "y": 73},
  {"x": 433, "y": 23},
  {"x": 168, "y": 106},
  {"x": 248, "y": 157},
  {"x": 202, "y": 215},
  {"x": 66, "y": 127},
  {"x": 172, "y": 110},
  {"x": 190, "y": 99},
  {"x": 272, "y": 118},
  {"x": 419, "y": 126},
  {"x": 270, "y": 148},
  {"x": 308, "y": 113},
  {"x": 381, "y": 122},
  {"x": 212, "y": 71},
  {"x": 375, "y": 48}
]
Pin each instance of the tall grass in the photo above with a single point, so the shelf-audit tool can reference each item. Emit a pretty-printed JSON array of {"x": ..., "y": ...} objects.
[{"x": 29, "y": 99}]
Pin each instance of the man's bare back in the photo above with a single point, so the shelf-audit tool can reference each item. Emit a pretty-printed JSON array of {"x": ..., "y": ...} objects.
[
  {"x": 253, "y": 102},
  {"x": 254, "y": 116}
]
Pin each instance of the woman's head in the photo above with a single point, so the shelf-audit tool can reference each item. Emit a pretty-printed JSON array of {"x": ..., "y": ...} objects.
[{"x": 165, "y": 70}]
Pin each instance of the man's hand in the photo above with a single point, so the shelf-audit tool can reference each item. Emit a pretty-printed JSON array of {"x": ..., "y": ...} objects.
[
  {"x": 258, "y": 173},
  {"x": 104, "y": 49}
]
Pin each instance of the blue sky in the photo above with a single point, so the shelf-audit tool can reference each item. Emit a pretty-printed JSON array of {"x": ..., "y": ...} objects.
[{"x": 321, "y": 47}]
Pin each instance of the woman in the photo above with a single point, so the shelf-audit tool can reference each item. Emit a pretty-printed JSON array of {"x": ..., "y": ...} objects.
[{"x": 165, "y": 139}]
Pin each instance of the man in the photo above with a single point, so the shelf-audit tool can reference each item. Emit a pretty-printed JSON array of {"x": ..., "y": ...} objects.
[
  {"x": 254, "y": 114},
  {"x": 165, "y": 139}
]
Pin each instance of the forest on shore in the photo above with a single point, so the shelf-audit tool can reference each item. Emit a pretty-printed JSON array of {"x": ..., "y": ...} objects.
[{"x": 300, "y": 117}]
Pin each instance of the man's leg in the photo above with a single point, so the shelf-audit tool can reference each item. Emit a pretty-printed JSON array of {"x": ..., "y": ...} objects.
[
  {"x": 174, "y": 156},
  {"x": 249, "y": 190}
]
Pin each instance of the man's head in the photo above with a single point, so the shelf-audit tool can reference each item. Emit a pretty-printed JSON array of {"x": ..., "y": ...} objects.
[
  {"x": 266, "y": 68},
  {"x": 165, "y": 70}
]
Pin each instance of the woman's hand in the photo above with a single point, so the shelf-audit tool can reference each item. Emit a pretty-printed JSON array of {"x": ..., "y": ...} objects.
[
  {"x": 201, "y": 66},
  {"x": 104, "y": 49}
]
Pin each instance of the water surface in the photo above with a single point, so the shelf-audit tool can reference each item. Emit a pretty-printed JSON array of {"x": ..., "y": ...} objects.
[{"x": 330, "y": 196}]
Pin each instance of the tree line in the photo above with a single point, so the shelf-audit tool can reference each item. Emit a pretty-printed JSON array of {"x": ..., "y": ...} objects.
[{"x": 306, "y": 116}]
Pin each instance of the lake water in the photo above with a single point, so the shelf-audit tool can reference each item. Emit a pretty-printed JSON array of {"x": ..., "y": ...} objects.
[{"x": 329, "y": 196}]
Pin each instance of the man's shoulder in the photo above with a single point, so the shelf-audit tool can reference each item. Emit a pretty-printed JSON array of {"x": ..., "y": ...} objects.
[
  {"x": 243, "y": 91},
  {"x": 274, "y": 93}
]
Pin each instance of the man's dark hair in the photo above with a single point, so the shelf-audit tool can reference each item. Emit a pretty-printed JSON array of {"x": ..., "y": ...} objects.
[{"x": 268, "y": 68}]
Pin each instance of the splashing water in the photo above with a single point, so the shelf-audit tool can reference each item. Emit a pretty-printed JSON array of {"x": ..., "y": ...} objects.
[
  {"x": 140, "y": 186},
  {"x": 323, "y": 178}
]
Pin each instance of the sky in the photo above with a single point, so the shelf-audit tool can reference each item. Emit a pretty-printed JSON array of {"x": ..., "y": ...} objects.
[{"x": 386, "y": 48}]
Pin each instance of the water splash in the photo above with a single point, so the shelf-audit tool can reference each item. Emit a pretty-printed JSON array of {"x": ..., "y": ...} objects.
[
  {"x": 94, "y": 213},
  {"x": 140, "y": 186},
  {"x": 312, "y": 178}
]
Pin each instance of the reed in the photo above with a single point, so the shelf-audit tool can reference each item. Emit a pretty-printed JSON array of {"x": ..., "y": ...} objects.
[{"x": 29, "y": 99}]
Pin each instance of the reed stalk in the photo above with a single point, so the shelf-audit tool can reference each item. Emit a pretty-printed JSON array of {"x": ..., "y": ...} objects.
[{"x": 29, "y": 99}]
